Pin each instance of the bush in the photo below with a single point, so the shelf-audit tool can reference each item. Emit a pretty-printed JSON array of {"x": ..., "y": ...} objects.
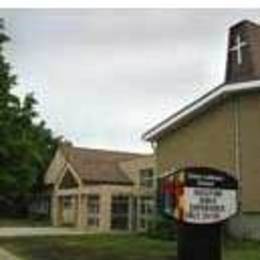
[{"x": 162, "y": 228}]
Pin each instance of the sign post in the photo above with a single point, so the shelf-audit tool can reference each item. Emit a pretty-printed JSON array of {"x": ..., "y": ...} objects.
[{"x": 200, "y": 199}]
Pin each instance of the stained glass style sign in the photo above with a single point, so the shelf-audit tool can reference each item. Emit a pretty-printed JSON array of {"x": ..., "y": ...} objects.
[{"x": 198, "y": 195}]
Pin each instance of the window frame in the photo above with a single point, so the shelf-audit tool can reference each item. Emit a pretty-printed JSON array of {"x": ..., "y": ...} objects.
[
  {"x": 147, "y": 181},
  {"x": 120, "y": 216},
  {"x": 148, "y": 204},
  {"x": 67, "y": 202},
  {"x": 93, "y": 216}
]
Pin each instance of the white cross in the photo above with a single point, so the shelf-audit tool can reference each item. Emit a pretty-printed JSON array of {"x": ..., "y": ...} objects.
[{"x": 238, "y": 49}]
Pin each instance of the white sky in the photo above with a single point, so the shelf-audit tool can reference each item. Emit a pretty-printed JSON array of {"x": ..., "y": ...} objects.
[{"x": 103, "y": 77}]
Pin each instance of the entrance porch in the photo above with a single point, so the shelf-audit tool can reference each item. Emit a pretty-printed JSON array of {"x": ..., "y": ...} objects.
[{"x": 102, "y": 211}]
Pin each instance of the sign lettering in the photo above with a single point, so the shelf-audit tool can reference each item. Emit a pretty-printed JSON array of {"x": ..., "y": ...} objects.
[{"x": 199, "y": 195}]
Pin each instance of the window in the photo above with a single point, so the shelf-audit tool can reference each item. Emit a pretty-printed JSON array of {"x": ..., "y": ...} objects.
[
  {"x": 68, "y": 181},
  {"x": 147, "y": 178},
  {"x": 146, "y": 211},
  {"x": 120, "y": 212},
  {"x": 93, "y": 209},
  {"x": 67, "y": 202}
]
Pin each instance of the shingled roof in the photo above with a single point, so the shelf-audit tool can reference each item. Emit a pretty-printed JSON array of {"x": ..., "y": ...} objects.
[{"x": 99, "y": 166}]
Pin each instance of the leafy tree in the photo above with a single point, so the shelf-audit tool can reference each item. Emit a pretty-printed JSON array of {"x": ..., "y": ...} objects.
[{"x": 26, "y": 144}]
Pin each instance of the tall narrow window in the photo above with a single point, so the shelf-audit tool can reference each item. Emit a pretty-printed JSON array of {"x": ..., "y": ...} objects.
[
  {"x": 145, "y": 212},
  {"x": 93, "y": 210},
  {"x": 147, "y": 178},
  {"x": 120, "y": 212}
]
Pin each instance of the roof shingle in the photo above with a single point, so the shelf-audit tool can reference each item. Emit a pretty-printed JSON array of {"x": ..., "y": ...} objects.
[{"x": 99, "y": 166}]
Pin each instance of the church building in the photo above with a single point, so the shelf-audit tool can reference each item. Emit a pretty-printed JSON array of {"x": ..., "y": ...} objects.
[
  {"x": 101, "y": 190},
  {"x": 221, "y": 129}
]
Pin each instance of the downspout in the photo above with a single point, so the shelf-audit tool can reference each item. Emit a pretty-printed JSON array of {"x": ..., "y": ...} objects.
[
  {"x": 154, "y": 147},
  {"x": 155, "y": 210},
  {"x": 237, "y": 148}
]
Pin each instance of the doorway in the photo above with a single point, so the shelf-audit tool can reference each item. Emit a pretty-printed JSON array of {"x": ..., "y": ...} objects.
[
  {"x": 68, "y": 213},
  {"x": 120, "y": 212}
]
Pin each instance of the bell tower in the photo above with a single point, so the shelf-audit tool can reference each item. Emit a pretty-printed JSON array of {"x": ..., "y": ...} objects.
[{"x": 243, "y": 54}]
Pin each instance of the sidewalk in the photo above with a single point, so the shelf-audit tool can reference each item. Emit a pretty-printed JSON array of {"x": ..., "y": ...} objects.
[
  {"x": 5, "y": 255},
  {"x": 38, "y": 231}
]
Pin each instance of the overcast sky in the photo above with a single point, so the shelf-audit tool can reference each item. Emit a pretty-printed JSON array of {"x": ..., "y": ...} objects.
[{"x": 103, "y": 77}]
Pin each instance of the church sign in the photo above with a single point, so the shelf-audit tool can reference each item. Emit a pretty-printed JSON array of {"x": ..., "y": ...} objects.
[
  {"x": 198, "y": 195},
  {"x": 200, "y": 199}
]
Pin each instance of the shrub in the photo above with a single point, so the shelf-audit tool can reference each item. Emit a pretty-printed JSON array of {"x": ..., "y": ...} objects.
[{"x": 162, "y": 228}]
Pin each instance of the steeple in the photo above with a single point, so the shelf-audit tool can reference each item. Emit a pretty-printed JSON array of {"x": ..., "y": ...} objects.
[{"x": 243, "y": 54}]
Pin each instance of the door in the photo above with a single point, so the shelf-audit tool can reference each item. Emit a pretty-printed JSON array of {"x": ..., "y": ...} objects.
[
  {"x": 68, "y": 210},
  {"x": 120, "y": 212}
]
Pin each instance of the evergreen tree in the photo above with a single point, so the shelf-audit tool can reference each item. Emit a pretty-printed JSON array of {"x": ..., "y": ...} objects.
[{"x": 26, "y": 145}]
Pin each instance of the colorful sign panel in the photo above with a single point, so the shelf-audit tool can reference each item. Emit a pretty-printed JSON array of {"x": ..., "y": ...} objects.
[{"x": 198, "y": 195}]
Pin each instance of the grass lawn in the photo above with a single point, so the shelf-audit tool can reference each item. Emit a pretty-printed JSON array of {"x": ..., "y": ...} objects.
[
  {"x": 110, "y": 247},
  {"x": 242, "y": 250},
  {"x": 23, "y": 222},
  {"x": 91, "y": 247}
]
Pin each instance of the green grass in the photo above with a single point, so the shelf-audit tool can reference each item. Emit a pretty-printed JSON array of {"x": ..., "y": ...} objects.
[
  {"x": 110, "y": 247},
  {"x": 92, "y": 247},
  {"x": 238, "y": 250},
  {"x": 23, "y": 222}
]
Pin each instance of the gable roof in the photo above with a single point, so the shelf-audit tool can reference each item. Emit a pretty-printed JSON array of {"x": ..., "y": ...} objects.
[
  {"x": 98, "y": 166},
  {"x": 240, "y": 76},
  {"x": 195, "y": 107}
]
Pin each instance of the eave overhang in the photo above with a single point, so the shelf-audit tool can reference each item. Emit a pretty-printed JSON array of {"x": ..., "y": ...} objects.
[{"x": 193, "y": 108}]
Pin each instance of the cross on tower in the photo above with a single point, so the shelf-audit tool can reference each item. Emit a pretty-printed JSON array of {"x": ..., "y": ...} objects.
[{"x": 238, "y": 49}]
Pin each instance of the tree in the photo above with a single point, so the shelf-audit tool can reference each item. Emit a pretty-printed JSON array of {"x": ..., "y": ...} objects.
[{"x": 26, "y": 144}]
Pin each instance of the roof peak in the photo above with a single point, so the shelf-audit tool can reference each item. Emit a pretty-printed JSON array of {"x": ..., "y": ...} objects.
[
  {"x": 99, "y": 165},
  {"x": 106, "y": 150},
  {"x": 244, "y": 22},
  {"x": 67, "y": 145},
  {"x": 209, "y": 97},
  {"x": 242, "y": 73}
]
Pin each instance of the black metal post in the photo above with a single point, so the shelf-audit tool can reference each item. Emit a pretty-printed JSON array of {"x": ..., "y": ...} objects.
[{"x": 199, "y": 242}]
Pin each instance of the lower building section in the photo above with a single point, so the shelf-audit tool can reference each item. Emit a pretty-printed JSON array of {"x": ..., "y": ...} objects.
[
  {"x": 99, "y": 212},
  {"x": 245, "y": 226}
]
